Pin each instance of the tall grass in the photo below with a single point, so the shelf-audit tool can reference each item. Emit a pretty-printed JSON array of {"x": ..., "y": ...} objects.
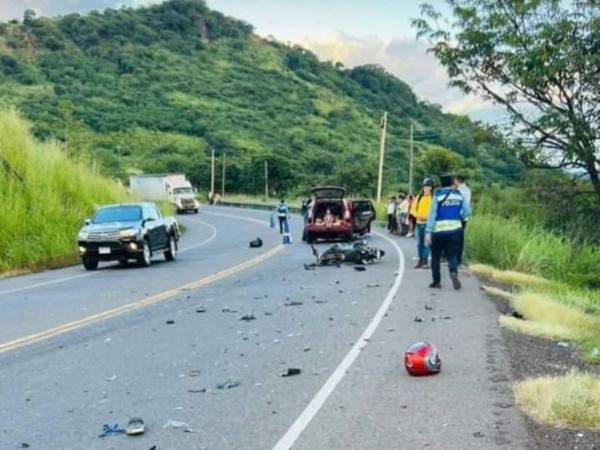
[
  {"x": 509, "y": 244},
  {"x": 40, "y": 215}
]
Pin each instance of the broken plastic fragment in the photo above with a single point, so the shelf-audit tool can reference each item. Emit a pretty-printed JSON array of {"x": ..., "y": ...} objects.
[{"x": 291, "y": 371}]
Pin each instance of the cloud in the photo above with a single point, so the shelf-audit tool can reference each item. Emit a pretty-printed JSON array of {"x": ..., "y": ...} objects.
[{"x": 407, "y": 59}]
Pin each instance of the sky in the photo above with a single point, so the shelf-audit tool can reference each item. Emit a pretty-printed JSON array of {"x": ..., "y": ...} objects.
[{"x": 351, "y": 31}]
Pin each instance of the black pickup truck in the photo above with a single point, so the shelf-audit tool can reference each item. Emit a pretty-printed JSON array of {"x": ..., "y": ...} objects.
[{"x": 127, "y": 231}]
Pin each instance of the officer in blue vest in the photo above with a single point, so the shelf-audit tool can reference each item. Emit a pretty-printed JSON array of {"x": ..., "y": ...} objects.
[
  {"x": 283, "y": 212},
  {"x": 444, "y": 228}
]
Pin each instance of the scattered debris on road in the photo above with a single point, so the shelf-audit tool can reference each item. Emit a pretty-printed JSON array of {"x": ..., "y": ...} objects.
[
  {"x": 107, "y": 430},
  {"x": 320, "y": 302},
  {"x": 247, "y": 317},
  {"x": 178, "y": 425},
  {"x": 422, "y": 359},
  {"x": 170, "y": 322},
  {"x": 195, "y": 372},
  {"x": 418, "y": 319},
  {"x": 291, "y": 371},
  {"x": 256, "y": 243},
  {"x": 229, "y": 384},
  {"x": 357, "y": 253},
  {"x": 111, "y": 378},
  {"x": 135, "y": 426},
  {"x": 197, "y": 391},
  {"x": 293, "y": 303},
  {"x": 200, "y": 309},
  {"x": 373, "y": 285},
  {"x": 428, "y": 308},
  {"x": 360, "y": 268},
  {"x": 226, "y": 309}
]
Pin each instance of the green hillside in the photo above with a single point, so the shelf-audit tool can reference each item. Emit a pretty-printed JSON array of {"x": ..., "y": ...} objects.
[{"x": 153, "y": 89}]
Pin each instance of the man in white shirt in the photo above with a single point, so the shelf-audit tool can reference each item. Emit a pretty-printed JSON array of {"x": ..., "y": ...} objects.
[{"x": 459, "y": 183}]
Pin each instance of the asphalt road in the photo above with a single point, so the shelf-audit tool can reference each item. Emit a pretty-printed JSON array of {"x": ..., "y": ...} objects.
[{"x": 79, "y": 350}]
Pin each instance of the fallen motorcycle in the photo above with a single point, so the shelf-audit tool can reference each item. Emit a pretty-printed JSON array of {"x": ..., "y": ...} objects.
[{"x": 356, "y": 253}]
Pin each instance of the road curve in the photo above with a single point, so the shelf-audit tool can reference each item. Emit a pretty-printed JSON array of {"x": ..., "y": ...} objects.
[{"x": 346, "y": 330}]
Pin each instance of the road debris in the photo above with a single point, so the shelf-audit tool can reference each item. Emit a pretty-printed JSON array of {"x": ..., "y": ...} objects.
[
  {"x": 422, "y": 359},
  {"x": 320, "y": 302},
  {"x": 478, "y": 434},
  {"x": 293, "y": 303},
  {"x": 372, "y": 285},
  {"x": 178, "y": 425},
  {"x": 200, "y": 309},
  {"x": 108, "y": 430},
  {"x": 226, "y": 309},
  {"x": 256, "y": 243},
  {"x": 428, "y": 308},
  {"x": 418, "y": 319},
  {"x": 170, "y": 322},
  {"x": 195, "y": 372},
  {"x": 360, "y": 268},
  {"x": 306, "y": 349},
  {"x": 197, "y": 391},
  {"x": 291, "y": 371},
  {"x": 229, "y": 384},
  {"x": 135, "y": 426},
  {"x": 111, "y": 378},
  {"x": 24, "y": 445},
  {"x": 247, "y": 318}
]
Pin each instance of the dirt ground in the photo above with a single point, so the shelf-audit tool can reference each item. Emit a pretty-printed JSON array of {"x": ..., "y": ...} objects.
[{"x": 534, "y": 357}]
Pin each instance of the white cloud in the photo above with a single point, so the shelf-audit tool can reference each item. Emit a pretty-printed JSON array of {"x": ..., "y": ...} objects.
[{"x": 407, "y": 59}]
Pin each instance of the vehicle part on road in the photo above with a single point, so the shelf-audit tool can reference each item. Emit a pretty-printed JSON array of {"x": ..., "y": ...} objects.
[
  {"x": 135, "y": 426},
  {"x": 177, "y": 424},
  {"x": 229, "y": 384},
  {"x": 170, "y": 322},
  {"x": 256, "y": 243},
  {"x": 291, "y": 371},
  {"x": 422, "y": 359},
  {"x": 357, "y": 253},
  {"x": 108, "y": 430},
  {"x": 247, "y": 317}
]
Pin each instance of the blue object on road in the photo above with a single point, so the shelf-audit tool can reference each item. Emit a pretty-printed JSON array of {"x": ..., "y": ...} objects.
[
  {"x": 272, "y": 223},
  {"x": 108, "y": 430}
]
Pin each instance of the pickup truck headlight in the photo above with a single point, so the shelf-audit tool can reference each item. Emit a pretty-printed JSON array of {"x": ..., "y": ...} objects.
[
  {"x": 83, "y": 235},
  {"x": 130, "y": 232}
]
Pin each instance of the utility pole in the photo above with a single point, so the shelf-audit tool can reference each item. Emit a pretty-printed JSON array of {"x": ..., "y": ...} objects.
[
  {"x": 383, "y": 127},
  {"x": 223, "y": 178},
  {"x": 212, "y": 171},
  {"x": 410, "y": 164},
  {"x": 266, "y": 179}
]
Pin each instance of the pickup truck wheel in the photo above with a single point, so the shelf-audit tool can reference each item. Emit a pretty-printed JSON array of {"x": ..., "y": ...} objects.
[
  {"x": 171, "y": 252},
  {"x": 145, "y": 259},
  {"x": 90, "y": 264}
]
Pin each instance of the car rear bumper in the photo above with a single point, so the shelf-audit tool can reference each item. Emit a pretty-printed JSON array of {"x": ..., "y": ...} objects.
[
  {"x": 117, "y": 250},
  {"x": 329, "y": 232}
]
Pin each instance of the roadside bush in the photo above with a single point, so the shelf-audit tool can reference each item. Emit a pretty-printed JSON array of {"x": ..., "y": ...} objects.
[{"x": 44, "y": 198}]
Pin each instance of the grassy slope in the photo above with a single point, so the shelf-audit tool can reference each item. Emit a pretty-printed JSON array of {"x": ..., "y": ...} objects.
[{"x": 40, "y": 216}]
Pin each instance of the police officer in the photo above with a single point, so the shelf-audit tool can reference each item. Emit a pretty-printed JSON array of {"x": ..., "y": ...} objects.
[
  {"x": 283, "y": 211},
  {"x": 444, "y": 228}
]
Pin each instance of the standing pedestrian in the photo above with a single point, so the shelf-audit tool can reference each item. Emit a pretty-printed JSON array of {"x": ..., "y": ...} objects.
[
  {"x": 420, "y": 210},
  {"x": 403, "y": 211},
  {"x": 448, "y": 209},
  {"x": 459, "y": 183},
  {"x": 283, "y": 212},
  {"x": 391, "y": 213}
]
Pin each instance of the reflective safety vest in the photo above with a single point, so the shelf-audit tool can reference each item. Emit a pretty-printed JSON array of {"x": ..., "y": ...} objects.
[
  {"x": 282, "y": 211},
  {"x": 449, "y": 206}
]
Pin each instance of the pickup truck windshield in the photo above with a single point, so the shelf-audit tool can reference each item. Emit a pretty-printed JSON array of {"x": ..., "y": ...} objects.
[
  {"x": 185, "y": 190},
  {"x": 118, "y": 214}
]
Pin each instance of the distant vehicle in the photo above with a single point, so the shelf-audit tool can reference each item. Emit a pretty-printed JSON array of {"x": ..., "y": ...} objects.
[
  {"x": 333, "y": 216},
  {"x": 128, "y": 231},
  {"x": 173, "y": 188}
]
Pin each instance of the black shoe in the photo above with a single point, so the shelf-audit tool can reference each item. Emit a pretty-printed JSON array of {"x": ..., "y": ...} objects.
[
  {"x": 455, "y": 281},
  {"x": 435, "y": 286}
]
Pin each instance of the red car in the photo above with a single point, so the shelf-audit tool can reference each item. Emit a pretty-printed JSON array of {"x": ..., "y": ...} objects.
[{"x": 332, "y": 216}]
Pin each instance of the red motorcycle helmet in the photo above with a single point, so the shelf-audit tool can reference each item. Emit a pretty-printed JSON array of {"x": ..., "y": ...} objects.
[{"x": 422, "y": 359}]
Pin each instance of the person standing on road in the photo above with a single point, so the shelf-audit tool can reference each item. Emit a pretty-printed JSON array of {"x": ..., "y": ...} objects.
[
  {"x": 420, "y": 210},
  {"x": 391, "y": 212},
  {"x": 283, "y": 212},
  {"x": 448, "y": 210},
  {"x": 459, "y": 183},
  {"x": 403, "y": 210}
]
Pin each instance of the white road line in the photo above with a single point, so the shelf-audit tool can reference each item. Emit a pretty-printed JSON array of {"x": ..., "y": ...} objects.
[
  {"x": 89, "y": 274},
  {"x": 293, "y": 433}
]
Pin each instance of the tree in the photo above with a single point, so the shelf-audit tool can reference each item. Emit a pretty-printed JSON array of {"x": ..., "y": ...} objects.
[
  {"x": 29, "y": 16},
  {"x": 538, "y": 59}
]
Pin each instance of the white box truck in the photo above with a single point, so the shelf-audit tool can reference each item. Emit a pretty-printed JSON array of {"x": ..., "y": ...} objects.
[{"x": 173, "y": 188}]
